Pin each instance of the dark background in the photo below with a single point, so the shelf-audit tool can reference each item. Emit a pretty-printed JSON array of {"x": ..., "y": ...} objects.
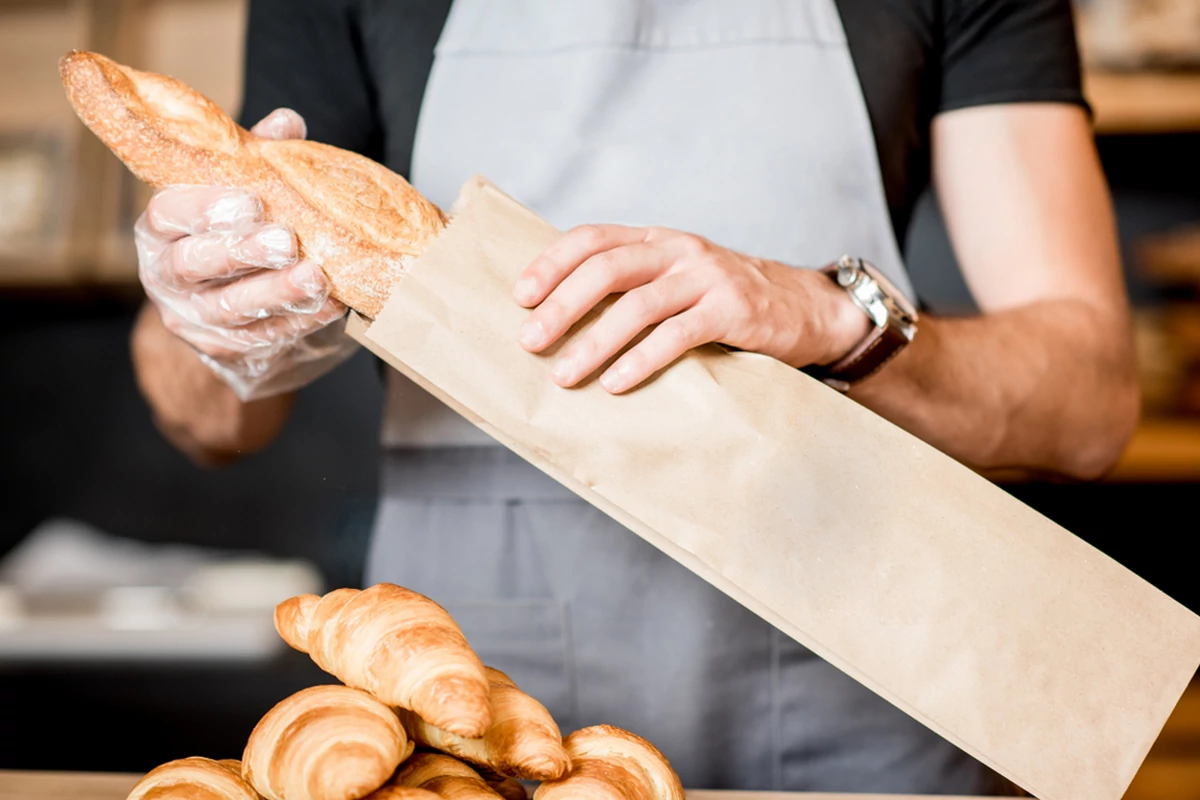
[{"x": 76, "y": 440}]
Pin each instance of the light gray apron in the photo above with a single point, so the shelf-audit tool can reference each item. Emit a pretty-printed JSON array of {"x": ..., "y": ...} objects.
[{"x": 741, "y": 121}]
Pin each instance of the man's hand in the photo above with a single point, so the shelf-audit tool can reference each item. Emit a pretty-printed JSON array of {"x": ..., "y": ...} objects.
[
  {"x": 689, "y": 290},
  {"x": 231, "y": 285},
  {"x": 231, "y": 307}
]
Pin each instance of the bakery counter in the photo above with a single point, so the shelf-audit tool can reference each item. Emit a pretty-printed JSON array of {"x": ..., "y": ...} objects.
[{"x": 112, "y": 786}]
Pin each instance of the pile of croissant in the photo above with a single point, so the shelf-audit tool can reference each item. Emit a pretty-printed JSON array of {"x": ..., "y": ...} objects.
[{"x": 419, "y": 717}]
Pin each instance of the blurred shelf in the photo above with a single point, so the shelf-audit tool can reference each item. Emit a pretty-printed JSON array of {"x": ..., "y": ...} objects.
[
  {"x": 1162, "y": 450},
  {"x": 1171, "y": 771},
  {"x": 1172, "y": 257},
  {"x": 1167, "y": 779},
  {"x": 83, "y": 640},
  {"x": 1144, "y": 102}
]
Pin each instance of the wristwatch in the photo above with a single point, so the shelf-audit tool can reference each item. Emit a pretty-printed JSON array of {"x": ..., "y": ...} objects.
[{"x": 894, "y": 316}]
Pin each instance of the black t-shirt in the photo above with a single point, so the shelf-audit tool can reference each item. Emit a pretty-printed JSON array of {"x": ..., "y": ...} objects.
[{"x": 356, "y": 70}]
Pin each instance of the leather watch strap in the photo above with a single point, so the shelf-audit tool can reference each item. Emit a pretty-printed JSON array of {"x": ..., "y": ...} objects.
[
  {"x": 878, "y": 347},
  {"x": 871, "y": 355}
]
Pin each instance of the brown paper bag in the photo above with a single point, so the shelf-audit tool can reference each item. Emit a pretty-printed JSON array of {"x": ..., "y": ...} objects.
[{"x": 985, "y": 621}]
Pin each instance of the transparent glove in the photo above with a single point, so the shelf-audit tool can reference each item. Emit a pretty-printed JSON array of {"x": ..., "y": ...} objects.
[{"x": 232, "y": 287}]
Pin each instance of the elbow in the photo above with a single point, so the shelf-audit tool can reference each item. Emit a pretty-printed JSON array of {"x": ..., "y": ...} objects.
[{"x": 1097, "y": 447}]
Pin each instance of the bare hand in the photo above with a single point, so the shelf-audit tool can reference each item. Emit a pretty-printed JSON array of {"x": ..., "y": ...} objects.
[{"x": 689, "y": 290}]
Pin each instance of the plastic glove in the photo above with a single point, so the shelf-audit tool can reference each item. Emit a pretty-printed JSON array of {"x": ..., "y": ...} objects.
[{"x": 232, "y": 287}]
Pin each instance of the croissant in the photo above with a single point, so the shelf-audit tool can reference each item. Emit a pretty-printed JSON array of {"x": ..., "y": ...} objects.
[
  {"x": 361, "y": 222},
  {"x": 401, "y": 793},
  {"x": 397, "y": 644},
  {"x": 194, "y": 779},
  {"x": 324, "y": 743},
  {"x": 508, "y": 788},
  {"x": 522, "y": 742},
  {"x": 445, "y": 776},
  {"x": 608, "y": 763}
]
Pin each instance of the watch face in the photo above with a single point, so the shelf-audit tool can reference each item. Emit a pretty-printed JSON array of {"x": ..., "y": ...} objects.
[{"x": 892, "y": 294}]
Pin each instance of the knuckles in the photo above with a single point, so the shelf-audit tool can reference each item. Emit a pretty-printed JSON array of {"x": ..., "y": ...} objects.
[{"x": 591, "y": 237}]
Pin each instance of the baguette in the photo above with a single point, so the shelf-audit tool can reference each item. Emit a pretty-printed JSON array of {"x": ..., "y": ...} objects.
[{"x": 362, "y": 223}]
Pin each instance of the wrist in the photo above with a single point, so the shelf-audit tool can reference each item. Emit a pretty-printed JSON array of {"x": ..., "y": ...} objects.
[{"x": 844, "y": 325}]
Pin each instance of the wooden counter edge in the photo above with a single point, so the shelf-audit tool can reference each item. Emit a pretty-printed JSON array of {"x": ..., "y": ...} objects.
[{"x": 115, "y": 786}]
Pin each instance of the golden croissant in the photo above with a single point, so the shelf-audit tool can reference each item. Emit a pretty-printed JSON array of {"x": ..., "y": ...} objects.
[
  {"x": 194, "y": 779},
  {"x": 362, "y": 223},
  {"x": 388, "y": 792},
  {"x": 398, "y": 645},
  {"x": 508, "y": 788},
  {"x": 522, "y": 742},
  {"x": 608, "y": 763},
  {"x": 445, "y": 776},
  {"x": 324, "y": 743}
]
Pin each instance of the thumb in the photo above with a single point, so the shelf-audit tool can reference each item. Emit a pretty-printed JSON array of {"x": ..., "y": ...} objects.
[{"x": 282, "y": 123}]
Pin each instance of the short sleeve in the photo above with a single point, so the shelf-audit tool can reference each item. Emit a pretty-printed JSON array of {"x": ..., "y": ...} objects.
[
  {"x": 307, "y": 55},
  {"x": 1009, "y": 51}
]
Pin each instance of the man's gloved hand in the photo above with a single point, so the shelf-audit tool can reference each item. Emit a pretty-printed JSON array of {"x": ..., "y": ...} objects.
[{"x": 232, "y": 287}]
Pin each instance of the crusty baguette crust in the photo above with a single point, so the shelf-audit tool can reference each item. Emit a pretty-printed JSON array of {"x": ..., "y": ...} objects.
[{"x": 361, "y": 222}]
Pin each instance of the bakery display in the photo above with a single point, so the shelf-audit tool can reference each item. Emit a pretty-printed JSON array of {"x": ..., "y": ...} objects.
[
  {"x": 362, "y": 223},
  {"x": 324, "y": 743},
  {"x": 335, "y": 742},
  {"x": 195, "y": 779},
  {"x": 608, "y": 763},
  {"x": 523, "y": 740},
  {"x": 400, "y": 646}
]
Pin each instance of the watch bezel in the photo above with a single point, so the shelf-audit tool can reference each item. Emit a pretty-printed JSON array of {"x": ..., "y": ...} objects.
[{"x": 877, "y": 297}]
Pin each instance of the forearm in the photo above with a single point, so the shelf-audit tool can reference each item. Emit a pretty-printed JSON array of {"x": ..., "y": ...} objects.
[
  {"x": 195, "y": 410},
  {"x": 1047, "y": 386}
]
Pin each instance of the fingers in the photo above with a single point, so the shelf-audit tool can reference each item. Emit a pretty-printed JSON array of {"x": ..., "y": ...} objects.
[
  {"x": 667, "y": 342},
  {"x": 178, "y": 211},
  {"x": 635, "y": 311},
  {"x": 260, "y": 339},
  {"x": 219, "y": 256},
  {"x": 282, "y": 123},
  {"x": 299, "y": 289},
  {"x": 616, "y": 270},
  {"x": 546, "y": 271}
]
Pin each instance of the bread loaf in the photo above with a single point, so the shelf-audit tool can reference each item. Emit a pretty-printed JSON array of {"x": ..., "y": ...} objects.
[{"x": 358, "y": 220}]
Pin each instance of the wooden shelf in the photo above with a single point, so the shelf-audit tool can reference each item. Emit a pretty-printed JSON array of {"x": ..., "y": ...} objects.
[
  {"x": 1173, "y": 257},
  {"x": 1162, "y": 450},
  {"x": 1172, "y": 769},
  {"x": 1144, "y": 102}
]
